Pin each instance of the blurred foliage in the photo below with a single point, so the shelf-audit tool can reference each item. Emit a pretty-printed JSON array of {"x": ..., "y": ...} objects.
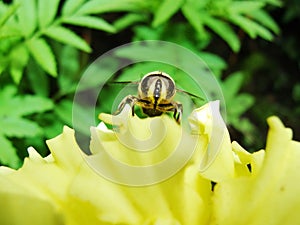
[
  {"x": 45, "y": 46},
  {"x": 13, "y": 121}
]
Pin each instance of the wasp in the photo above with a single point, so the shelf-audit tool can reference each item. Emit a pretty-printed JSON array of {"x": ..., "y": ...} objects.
[{"x": 156, "y": 91}]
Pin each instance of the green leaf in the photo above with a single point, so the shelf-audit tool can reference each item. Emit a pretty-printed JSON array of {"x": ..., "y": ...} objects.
[
  {"x": 70, "y": 6},
  {"x": 43, "y": 55},
  {"x": 14, "y": 107},
  {"x": 252, "y": 28},
  {"x": 10, "y": 31},
  {"x": 128, "y": 20},
  {"x": 91, "y": 22},
  {"x": 240, "y": 104},
  {"x": 224, "y": 31},
  {"x": 30, "y": 104},
  {"x": 64, "y": 111},
  {"x": 38, "y": 79},
  {"x": 195, "y": 18},
  {"x": 47, "y": 11},
  {"x": 265, "y": 19},
  {"x": 214, "y": 62},
  {"x": 232, "y": 85},
  {"x": 296, "y": 92},
  {"x": 66, "y": 36},
  {"x": 238, "y": 7},
  {"x": 147, "y": 33},
  {"x": 54, "y": 126},
  {"x": 245, "y": 126},
  {"x": 13, "y": 124},
  {"x": 8, "y": 154},
  {"x": 19, "y": 127},
  {"x": 11, "y": 10},
  {"x": 7, "y": 93},
  {"x": 27, "y": 17},
  {"x": 165, "y": 11},
  {"x": 4, "y": 62},
  {"x": 101, "y": 6},
  {"x": 277, "y": 3},
  {"x": 18, "y": 60},
  {"x": 200, "y": 4},
  {"x": 69, "y": 69}
]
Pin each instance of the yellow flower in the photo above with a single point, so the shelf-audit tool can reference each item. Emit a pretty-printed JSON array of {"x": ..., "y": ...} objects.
[
  {"x": 271, "y": 193},
  {"x": 71, "y": 188}
]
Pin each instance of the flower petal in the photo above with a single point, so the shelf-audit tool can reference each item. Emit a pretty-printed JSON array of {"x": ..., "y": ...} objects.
[
  {"x": 247, "y": 164},
  {"x": 20, "y": 207},
  {"x": 218, "y": 161},
  {"x": 36, "y": 191},
  {"x": 67, "y": 184},
  {"x": 272, "y": 195},
  {"x": 185, "y": 197}
]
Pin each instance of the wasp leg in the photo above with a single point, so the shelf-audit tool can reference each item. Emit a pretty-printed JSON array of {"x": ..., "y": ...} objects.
[
  {"x": 131, "y": 100},
  {"x": 174, "y": 107},
  {"x": 177, "y": 111}
]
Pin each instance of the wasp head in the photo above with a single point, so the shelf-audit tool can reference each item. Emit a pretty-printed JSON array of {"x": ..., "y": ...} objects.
[{"x": 157, "y": 87}]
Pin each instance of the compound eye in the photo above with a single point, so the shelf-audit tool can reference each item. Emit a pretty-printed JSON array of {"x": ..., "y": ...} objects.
[
  {"x": 170, "y": 89},
  {"x": 144, "y": 87}
]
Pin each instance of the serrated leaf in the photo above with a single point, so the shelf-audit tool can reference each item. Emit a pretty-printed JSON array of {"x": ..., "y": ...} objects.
[
  {"x": 18, "y": 60},
  {"x": 252, "y": 28},
  {"x": 43, "y": 55},
  {"x": 8, "y": 154},
  {"x": 13, "y": 105},
  {"x": 265, "y": 19},
  {"x": 165, "y": 11},
  {"x": 224, "y": 31},
  {"x": 238, "y": 7},
  {"x": 27, "y": 17},
  {"x": 28, "y": 104},
  {"x": 66, "y": 36},
  {"x": 91, "y": 22},
  {"x": 101, "y": 6},
  {"x": 70, "y": 6},
  {"x": 19, "y": 127},
  {"x": 47, "y": 11}
]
